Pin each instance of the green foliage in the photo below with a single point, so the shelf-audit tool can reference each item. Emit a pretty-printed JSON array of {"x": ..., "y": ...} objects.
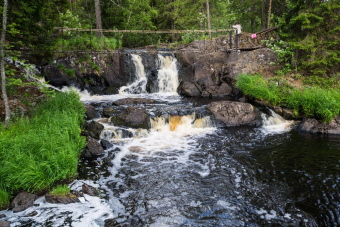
[
  {"x": 325, "y": 82},
  {"x": 87, "y": 42},
  {"x": 94, "y": 66},
  {"x": 312, "y": 102},
  {"x": 4, "y": 197},
  {"x": 313, "y": 31},
  {"x": 37, "y": 152},
  {"x": 60, "y": 190},
  {"x": 284, "y": 54}
]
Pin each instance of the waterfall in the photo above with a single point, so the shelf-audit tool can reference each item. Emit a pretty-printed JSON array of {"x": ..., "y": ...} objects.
[
  {"x": 167, "y": 74},
  {"x": 139, "y": 85},
  {"x": 180, "y": 123},
  {"x": 275, "y": 123}
]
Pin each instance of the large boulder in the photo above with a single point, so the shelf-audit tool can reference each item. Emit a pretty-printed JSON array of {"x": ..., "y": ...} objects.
[
  {"x": 93, "y": 148},
  {"x": 5, "y": 224},
  {"x": 133, "y": 101},
  {"x": 89, "y": 190},
  {"x": 90, "y": 112},
  {"x": 57, "y": 77},
  {"x": 248, "y": 62},
  {"x": 23, "y": 201},
  {"x": 233, "y": 113},
  {"x": 132, "y": 117},
  {"x": 63, "y": 199},
  {"x": 312, "y": 125},
  {"x": 95, "y": 129},
  {"x": 189, "y": 89}
]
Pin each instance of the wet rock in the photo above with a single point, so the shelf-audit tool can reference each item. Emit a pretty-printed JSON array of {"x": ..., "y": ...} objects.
[
  {"x": 23, "y": 201},
  {"x": 2, "y": 215},
  {"x": 63, "y": 199},
  {"x": 105, "y": 144},
  {"x": 108, "y": 112},
  {"x": 133, "y": 101},
  {"x": 90, "y": 112},
  {"x": 89, "y": 190},
  {"x": 95, "y": 128},
  {"x": 32, "y": 214},
  {"x": 93, "y": 148},
  {"x": 312, "y": 125},
  {"x": 248, "y": 62},
  {"x": 132, "y": 117},
  {"x": 189, "y": 89},
  {"x": 233, "y": 113},
  {"x": 77, "y": 193},
  {"x": 56, "y": 77},
  {"x": 133, "y": 221},
  {"x": 5, "y": 224}
]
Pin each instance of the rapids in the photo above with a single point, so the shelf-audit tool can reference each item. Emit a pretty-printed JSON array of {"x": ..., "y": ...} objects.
[{"x": 188, "y": 170}]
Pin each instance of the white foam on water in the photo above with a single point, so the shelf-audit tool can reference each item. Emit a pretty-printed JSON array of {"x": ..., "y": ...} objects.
[
  {"x": 91, "y": 211},
  {"x": 139, "y": 85},
  {"x": 167, "y": 74},
  {"x": 275, "y": 124}
]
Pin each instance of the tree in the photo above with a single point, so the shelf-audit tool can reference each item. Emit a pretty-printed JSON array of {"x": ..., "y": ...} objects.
[
  {"x": 208, "y": 18},
  {"x": 313, "y": 31},
  {"x": 98, "y": 18},
  {"x": 269, "y": 12},
  {"x": 2, "y": 62}
]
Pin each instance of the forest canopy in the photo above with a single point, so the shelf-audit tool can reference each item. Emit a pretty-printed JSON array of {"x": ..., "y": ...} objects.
[{"x": 311, "y": 27}]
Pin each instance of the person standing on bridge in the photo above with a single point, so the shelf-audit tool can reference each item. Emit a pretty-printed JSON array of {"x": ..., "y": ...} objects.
[{"x": 237, "y": 27}]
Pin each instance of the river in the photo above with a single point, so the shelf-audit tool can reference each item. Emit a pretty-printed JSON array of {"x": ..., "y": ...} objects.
[{"x": 188, "y": 170}]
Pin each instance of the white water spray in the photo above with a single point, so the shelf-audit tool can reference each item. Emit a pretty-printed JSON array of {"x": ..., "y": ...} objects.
[
  {"x": 167, "y": 74},
  {"x": 275, "y": 123},
  {"x": 139, "y": 85}
]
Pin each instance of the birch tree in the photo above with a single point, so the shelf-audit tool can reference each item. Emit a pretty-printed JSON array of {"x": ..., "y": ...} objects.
[{"x": 2, "y": 62}]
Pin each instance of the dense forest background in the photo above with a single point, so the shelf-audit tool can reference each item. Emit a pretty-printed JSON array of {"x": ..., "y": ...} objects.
[{"x": 311, "y": 28}]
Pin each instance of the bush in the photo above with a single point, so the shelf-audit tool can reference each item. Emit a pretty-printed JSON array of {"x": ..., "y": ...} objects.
[
  {"x": 60, "y": 190},
  {"x": 36, "y": 153},
  {"x": 314, "y": 102}
]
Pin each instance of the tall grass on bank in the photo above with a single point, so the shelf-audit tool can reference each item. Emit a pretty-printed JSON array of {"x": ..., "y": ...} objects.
[
  {"x": 88, "y": 42},
  {"x": 37, "y": 152},
  {"x": 314, "y": 102}
]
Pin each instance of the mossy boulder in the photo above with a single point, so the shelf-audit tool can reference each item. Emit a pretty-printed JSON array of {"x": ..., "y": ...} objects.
[{"x": 132, "y": 117}]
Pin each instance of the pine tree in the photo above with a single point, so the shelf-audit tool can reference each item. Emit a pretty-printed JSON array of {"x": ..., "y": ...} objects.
[{"x": 313, "y": 30}]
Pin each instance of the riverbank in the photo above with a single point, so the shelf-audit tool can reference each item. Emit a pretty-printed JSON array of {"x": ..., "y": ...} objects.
[
  {"x": 308, "y": 101},
  {"x": 36, "y": 153}
]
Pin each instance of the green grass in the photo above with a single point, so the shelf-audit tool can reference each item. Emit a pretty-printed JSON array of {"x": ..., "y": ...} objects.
[
  {"x": 312, "y": 102},
  {"x": 87, "y": 42},
  {"x": 37, "y": 152},
  {"x": 60, "y": 190}
]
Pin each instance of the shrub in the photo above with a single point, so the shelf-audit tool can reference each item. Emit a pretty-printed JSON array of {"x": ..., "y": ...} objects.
[
  {"x": 37, "y": 152},
  {"x": 60, "y": 190},
  {"x": 314, "y": 102}
]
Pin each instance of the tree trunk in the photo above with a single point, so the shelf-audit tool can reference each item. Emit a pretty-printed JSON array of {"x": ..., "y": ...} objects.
[
  {"x": 2, "y": 62},
  {"x": 263, "y": 16},
  {"x": 269, "y": 12},
  {"x": 98, "y": 18},
  {"x": 208, "y": 18},
  {"x": 252, "y": 21}
]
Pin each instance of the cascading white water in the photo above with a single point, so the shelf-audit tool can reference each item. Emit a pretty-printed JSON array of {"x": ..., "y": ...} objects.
[
  {"x": 139, "y": 85},
  {"x": 275, "y": 123},
  {"x": 167, "y": 74}
]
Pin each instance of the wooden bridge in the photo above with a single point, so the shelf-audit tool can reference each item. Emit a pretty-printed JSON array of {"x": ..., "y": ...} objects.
[{"x": 225, "y": 40}]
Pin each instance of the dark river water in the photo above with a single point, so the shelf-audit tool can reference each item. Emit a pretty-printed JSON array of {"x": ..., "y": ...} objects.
[
  {"x": 208, "y": 175},
  {"x": 188, "y": 170}
]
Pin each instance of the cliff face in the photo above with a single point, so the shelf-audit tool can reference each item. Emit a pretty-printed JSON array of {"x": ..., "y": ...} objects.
[{"x": 200, "y": 74}]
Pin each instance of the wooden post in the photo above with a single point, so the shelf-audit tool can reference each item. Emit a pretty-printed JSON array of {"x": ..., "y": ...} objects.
[
  {"x": 231, "y": 39},
  {"x": 236, "y": 40}
]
